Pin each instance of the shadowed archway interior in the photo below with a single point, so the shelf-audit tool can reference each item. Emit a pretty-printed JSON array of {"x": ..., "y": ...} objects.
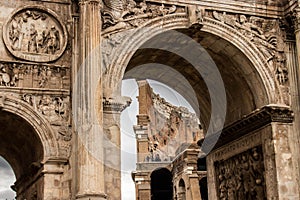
[
  {"x": 244, "y": 88},
  {"x": 20, "y": 145},
  {"x": 161, "y": 185}
]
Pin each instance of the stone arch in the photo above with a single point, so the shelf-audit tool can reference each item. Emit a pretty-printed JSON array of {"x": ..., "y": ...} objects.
[
  {"x": 154, "y": 27},
  {"x": 40, "y": 125},
  {"x": 181, "y": 189},
  {"x": 161, "y": 184},
  {"x": 261, "y": 75}
]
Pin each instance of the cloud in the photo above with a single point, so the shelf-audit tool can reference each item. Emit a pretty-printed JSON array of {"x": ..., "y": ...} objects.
[
  {"x": 7, "y": 178},
  {"x": 7, "y": 194},
  {"x": 4, "y": 165}
]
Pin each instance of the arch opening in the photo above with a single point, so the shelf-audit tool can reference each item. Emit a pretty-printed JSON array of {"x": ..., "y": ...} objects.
[
  {"x": 161, "y": 184},
  {"x": 21, "y": 146},
  {"x": 245, "y": 90},
  {"x": 181, "y": 190}
]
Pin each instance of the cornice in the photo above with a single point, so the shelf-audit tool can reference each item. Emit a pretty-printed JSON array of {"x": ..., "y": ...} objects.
[
  {"x": 246, "y": 7},
  {"x": 254, "y": 121},
  {"x": 115, "y": 104}
]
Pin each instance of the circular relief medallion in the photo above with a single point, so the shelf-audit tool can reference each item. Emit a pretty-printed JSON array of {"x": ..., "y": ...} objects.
[{"x": 35, "y": 34}]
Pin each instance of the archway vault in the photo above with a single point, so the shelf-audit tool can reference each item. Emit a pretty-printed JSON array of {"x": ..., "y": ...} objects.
[
  {"x": 248, "y": 78},
  {"x": 19, "y": 119}
]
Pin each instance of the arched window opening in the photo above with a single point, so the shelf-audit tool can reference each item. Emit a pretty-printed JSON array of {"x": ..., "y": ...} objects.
[
  {"x": 203, "y": 188},
  {"x": 201, "y": 164},
  {"x": 161, "y": 185},
  {"x": 181, "y": 190}
]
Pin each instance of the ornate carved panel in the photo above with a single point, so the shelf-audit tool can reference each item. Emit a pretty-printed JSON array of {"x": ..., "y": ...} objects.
[
  {"x": 29, "y": 75},
  {"x": 241, "y": 176},
  {"x": 126, "y": 14},
  {"x": 35, "y": 34},
  {"x": 265, "y": 34},
  {"x": 56, "y": 109}
]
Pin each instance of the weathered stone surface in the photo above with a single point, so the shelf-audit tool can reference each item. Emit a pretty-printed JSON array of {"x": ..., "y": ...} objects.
[{"x": 59, "y": 98}]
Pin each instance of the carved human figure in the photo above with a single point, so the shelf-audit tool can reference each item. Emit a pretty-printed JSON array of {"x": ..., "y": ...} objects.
[
  {"x": 249, "y": 29},
  {"x": 16, "y": 34},
  {"x": 222, "y": 188},
  {"x": 14, "y": 75},
  {"x": 231, "y": 188},
  {"x": 200, "y": 14},
  {"x": 32, "y": 42},
  {"x": 47, "y": 107},
  {"x": 5, "y": 78},
  {"x": 43, "y": 78},
  {"x": 258, "y": 190},
  {"x": 53, "y": 40},
  {"x": 247, "y": 177},
  {"x": 281, "y": 69},
  {"x": 256, "y": 164}
]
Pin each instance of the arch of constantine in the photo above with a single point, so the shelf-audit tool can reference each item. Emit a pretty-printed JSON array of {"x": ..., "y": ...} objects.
[{"x": 62, "y": 63}]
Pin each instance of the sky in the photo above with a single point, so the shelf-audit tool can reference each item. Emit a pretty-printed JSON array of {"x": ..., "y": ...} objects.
[
  {"x": 128, "y": 147},
  {"x": 128, "y": 119},
  {"x": 7, "y": 178}
]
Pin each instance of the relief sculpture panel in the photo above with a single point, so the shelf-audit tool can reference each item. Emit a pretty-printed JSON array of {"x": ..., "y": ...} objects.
[
  {"x": 28, "y": 75},
  {"x": 35, "y": 34},
  {"x": 241, "y": 176}
]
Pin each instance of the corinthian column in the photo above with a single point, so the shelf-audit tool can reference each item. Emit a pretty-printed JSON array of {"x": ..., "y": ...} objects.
[
  {"x": 293, "y": 57},
  {"x": 87, "y": 105}
]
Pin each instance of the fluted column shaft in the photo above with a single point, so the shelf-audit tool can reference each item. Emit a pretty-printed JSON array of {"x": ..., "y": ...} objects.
[{"x": 87, "y": 105}]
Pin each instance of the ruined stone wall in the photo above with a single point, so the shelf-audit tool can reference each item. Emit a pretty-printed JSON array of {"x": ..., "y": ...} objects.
[{"x": 168, "y": 126}]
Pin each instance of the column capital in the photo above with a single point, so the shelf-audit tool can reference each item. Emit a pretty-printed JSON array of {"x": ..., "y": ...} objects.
[
  {"x": 116, "y": 104},
  {"x": 296, "y": 19},
  {"x": 91, "y": 2}
]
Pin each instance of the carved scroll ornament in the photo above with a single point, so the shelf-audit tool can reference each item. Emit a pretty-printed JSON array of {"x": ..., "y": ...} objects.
[{"x": 35, "y": 34}]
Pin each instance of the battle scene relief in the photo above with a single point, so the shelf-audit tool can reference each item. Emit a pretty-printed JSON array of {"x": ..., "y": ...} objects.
[{"x": 241, "y": 176}]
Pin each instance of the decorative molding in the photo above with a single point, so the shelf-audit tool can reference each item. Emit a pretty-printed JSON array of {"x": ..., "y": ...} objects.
[
  {"x": 116, "y": 104},
  {"x": 254, "y": 121},
  {"x": 31, "y": 75},
  {"x": 127, "y": 14},
  {"x": 35, "y": 33},
  {"x": 2, "y": 100}
]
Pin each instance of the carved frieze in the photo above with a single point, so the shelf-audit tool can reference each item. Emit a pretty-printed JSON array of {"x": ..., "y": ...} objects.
[
  {"x": 56, "y": 109},
  {"x": 116, "y": 104},
  {"x": 27, "y": 75},
  {"x": 257, "y": 119},
  {"x": 266, "y": 34},
  {"x": 126, "y": 14},
  {"x": 35, "y": 34},
  {"x": 241, "y": 176}
]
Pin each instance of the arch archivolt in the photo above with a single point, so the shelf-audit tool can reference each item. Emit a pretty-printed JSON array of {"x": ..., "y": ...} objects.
[
  {"x": 41, "y": 126},
  {"x": 123, "y": 51}
]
